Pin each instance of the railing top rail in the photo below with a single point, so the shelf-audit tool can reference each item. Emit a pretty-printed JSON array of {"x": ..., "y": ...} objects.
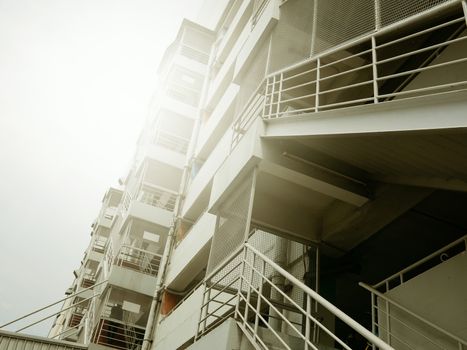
[
  {"x": 323, "y": 302},
  {"x": 403, "y": 308},
  {"x": 126, "y": 246},
  {"x": 162, "y": 131},
  {"x": 422, "y": 261},
  {"x": 239, "y": 116},
  {"x": 122, "y": 322},
  {"x": 52, "y": 304},
  {"x": 150, "y": 185}
]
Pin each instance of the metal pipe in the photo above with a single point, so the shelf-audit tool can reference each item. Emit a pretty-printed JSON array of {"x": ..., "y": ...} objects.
[
  {"x": 56, "y": 313},
  {"x": 403, "y": 308},
  {"x": 55, "y": 303},
  {"x": 278, "y": 280},
  {"x": 150, "y": 330},
  {"x": 326, "y": 304}
]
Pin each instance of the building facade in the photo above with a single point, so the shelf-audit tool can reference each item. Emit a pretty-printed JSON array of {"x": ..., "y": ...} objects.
[{"x": 300, "y": 184}]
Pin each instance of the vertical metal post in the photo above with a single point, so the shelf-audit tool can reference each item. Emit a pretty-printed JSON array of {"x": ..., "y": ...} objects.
[
  {"x": 388, "y": 323},
  {"x": 374, "y": 59},
  {"x": 240, "y": 287},
  {"x": 260, "y": 292},
  {"x": 373, "y": 317},
  {"x": 307, "y": 321},
  {"x": 250, "y": 204},
  {"x": 279, "y": 95},
  {"x": 208, "y": 299},
  {"x": 317, "y": 268},
  {"x": 266, "y": 92},
  {"x": 250, "y": 284},
  {"x": 273, "y": 91},
  {"x": 318, "y": 77},
  {"x": 464, "y": 8}
]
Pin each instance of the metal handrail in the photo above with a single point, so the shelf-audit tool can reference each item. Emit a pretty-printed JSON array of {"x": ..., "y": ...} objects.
[
  {"x": 50, "y": 305},
  {"x": 401, "y": 273},
  {"x": 56, "y": 313},
  {"x": 243, "y": 287},
  {"x": 277, "y": 104},
  {"x": 323, "y": 302},
  {"x": 68, "y": 330},
  {"x": 413, "y": 314}
]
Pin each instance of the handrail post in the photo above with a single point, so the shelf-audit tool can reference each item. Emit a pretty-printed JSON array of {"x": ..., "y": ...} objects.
[
  {"x": 374, "y": 59},
  {"x": 307, "y": 321},
  {"x": 317, "y": 87},
  {"x": 260, "y": 293},
  {"x": 373, "y": 316},
  {"x": 249, "y": 286}
]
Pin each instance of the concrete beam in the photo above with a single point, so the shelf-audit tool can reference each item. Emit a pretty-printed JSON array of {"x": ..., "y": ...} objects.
[
  {"x": 345, "y": 227},
  {"x": 429, "y": 182},
  {"x": 277, "y": 162},
  {"x": 442, "y": 111}
]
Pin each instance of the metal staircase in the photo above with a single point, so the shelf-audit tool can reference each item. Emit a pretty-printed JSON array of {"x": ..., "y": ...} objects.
[{"x": 243, "y": 287}]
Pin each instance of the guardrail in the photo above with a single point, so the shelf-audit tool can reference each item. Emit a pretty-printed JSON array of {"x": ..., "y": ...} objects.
[
  {"x": 193, "y": 53},
  {"x": 118, "y": 334},
  {"x": 428, "y": 262},
  {"x": 244, "y": 290},
  {"x": 172, "y": 141},
  {"x": 158, "y": 197},
  {"x": 99, "y": 244},
  {"x": 375, "y": 68},
  {"x": 138, "y": 259},
  {"x": 412, "y": 330}
]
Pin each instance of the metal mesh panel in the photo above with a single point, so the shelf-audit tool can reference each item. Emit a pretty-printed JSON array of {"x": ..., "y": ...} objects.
[
  {"x": 231, "y": 225},
  {"x": 395, "y": 10},
  {"x": 338, "y": 21}
]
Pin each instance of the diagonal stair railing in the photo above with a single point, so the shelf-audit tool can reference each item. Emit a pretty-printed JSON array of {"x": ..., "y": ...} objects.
[{"x": 242, "y": 287}]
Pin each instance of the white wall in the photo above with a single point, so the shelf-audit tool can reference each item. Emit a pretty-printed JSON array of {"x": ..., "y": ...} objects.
[{"x": 440, "y": 296}]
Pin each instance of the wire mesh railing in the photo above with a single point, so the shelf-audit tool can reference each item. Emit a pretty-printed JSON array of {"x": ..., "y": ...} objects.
[{"x": 263, "y": 309}]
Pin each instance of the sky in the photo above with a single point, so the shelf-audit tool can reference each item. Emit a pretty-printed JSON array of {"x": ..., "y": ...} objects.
[{"x": 76, "y": 79}]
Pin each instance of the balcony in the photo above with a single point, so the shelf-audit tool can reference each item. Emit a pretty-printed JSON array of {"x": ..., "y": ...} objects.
[
  {"x": 172, "y": 141},
  {"x": 192, "y": 254},
  {"x": 218, "y": 122},
  {"x": 134, "y": 269},
  {"x": 138, "y": 260},
  {"x": 98, "y": 245},
  {"x": 198, "y": 193},
  {"x": 264, "y": 19},
  {"x": 106, "y": 217},
  {"x": 154, "y": 204},
  {"x": 117, "y": 334}
]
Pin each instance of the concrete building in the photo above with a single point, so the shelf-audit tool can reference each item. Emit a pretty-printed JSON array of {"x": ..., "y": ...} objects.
[{"x": 300, "y": 184}]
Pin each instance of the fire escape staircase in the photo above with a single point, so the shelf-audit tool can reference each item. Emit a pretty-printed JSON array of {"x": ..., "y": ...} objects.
[{"x": 245, "y": 288}]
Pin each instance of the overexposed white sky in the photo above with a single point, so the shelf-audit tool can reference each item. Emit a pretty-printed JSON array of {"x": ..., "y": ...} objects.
[{"x": 76, "y": 78}]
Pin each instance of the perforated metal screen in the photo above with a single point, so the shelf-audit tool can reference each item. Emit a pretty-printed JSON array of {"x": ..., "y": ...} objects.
[
  {"x": 231, "y": 224},
  {"x": 339, "y": 21},
  {"x": 395, "y": 10}
]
